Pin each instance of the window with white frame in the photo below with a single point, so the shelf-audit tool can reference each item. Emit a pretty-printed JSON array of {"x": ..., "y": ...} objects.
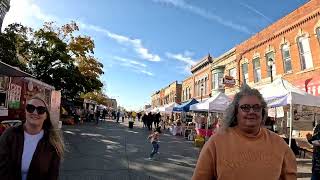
[
  {"x": 286, "y": 58},
  {"x": 305, "y": 53},
  {"x": 217, "y": 77},
  {"x": 183, "y": 95},
  {"x": 233, "y": 73},
  {"x": 245, "y": 75},
  {"x": 189, "y": 93},
  {"x": 270, "y": 55},
  {"x": 205, "y": 85},
  {"x": 256, "y": 69},
  {"x": 318, "y": 33}
]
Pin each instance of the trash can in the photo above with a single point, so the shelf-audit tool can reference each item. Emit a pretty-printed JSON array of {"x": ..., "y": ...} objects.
[{"x": 130, "y": 124}]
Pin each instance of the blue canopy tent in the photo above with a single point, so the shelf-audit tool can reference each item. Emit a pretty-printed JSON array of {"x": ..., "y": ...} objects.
[{"x": 185, "y": 107}]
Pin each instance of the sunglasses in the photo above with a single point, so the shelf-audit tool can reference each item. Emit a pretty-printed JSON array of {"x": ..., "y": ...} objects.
[
  {"x": 40, "y": 109},
  {"x": 247, "y": 107}
]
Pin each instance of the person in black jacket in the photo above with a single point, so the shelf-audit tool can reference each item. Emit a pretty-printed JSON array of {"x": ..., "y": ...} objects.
[
  {"x": 34, "y": 149},
  {"x": 315, "y": 141}
]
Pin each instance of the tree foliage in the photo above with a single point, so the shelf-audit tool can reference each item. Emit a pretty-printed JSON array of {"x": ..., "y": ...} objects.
[
  {"x": 54, "y": 55},
  {"x": 97, "y": 96}
]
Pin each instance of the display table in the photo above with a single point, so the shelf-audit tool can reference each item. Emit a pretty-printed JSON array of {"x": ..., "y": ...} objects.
[
  {"x": 176, "y": 130},
  {"x": 202, "y": 132}
]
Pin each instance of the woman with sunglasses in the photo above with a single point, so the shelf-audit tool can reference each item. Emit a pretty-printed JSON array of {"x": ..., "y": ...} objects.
[
  {"x": 243, "y": 149},
  {"x": 34, "y": 149}
]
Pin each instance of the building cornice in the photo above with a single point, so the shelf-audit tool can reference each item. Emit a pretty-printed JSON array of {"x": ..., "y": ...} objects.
[
  {"x": 203, "y": 63},
  {"x": 281, "y": 32}
]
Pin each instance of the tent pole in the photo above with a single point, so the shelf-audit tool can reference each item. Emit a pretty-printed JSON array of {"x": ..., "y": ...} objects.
[
  {"x": 290, "y": 131},
  {"x": 207, "y": 126}
]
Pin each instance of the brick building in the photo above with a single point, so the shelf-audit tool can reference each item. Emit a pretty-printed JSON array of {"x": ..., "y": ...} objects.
[
  {"x": 202, "y": 78},
  {"x": 187, "y": 89},
  {"x": 224, "y": 65},
  {"x": 291, "y": 44},
  {"x": 167, "y": 95}
]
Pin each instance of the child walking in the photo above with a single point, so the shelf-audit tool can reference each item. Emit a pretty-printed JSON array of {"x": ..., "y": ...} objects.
[{"x": 154, "y": 139}]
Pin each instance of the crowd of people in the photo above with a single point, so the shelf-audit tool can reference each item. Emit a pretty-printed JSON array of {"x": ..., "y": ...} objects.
[{"x": 242, "y": 148}]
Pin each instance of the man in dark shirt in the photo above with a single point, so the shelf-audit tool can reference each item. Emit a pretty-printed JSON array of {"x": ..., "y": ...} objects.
[{"x": 315, "y": 141}]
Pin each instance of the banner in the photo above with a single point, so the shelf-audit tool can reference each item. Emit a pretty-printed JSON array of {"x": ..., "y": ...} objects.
[{"x": 14, "y": 96}]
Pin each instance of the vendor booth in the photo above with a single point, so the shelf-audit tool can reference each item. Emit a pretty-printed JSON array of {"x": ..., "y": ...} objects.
[
  {"x": 217, "y": 103},
  {"x": 281, "y": 93},
  {"x": 17, "y": 87}
]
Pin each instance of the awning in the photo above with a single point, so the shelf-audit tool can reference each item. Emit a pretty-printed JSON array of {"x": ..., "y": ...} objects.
[
  {"x": 185, "y": 106},
  {"x": 7, "y": 70}
]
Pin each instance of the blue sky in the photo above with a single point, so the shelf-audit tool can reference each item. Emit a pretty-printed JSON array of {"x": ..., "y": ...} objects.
[{"x": 147, "y": 44}]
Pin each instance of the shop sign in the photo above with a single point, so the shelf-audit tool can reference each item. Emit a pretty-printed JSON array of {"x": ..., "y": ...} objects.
[
  {"x": 228, "y": 81},
  {"x": 14, "y": 96}
]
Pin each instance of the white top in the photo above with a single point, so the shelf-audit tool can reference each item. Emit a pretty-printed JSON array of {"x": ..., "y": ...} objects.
[{"x": 29, "y": 147}]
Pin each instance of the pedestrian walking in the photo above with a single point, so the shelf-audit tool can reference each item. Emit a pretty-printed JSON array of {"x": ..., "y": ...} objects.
[
  {"x": 134, "y": 115},
  {"x": 154, "y": 139},
  {"x": 149, "y": 121},
  {"x": 243, "y": 149},
  {"x": 118, "y": 116},
  {"x": 34, "y": 149},
  {"x": 122, "y": 116},
  {"x": 315, "y": 141},
  {"x": 97, "y": 115},
  {"x": 139, "y": 116},
  {"x": 144, "y": 120}
]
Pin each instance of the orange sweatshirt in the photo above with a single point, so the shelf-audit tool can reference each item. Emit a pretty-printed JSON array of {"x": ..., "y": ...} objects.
[{"x": 234, "y": 155}]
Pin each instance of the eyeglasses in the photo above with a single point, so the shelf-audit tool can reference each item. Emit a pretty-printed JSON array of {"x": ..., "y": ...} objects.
[
  {"x": 40, "y": 109},
  {"x": 247, "y": 107}
]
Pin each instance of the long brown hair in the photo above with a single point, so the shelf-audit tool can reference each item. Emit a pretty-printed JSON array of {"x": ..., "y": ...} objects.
[{"x": 54, "y": 133}]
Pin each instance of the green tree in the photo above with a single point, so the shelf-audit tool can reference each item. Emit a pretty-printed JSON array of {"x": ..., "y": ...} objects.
[{"x": 53, "y": 55}]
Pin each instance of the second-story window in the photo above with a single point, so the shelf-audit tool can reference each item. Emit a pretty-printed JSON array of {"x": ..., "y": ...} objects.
[
  {"x": 189, "y": 93},
  {"x": 305, "y": 53},
  {"x": 217, "y": 80},
  {"x": 285, "y": 49},
  {"x": 318, "y": 33},
  {"x": 245, "y": 76},
  {"x": 233, "y": 73},
  {"x": 183, "y": 95},
  {"x": 270, "y": 55},
  {"x": 256, "y": 69}
]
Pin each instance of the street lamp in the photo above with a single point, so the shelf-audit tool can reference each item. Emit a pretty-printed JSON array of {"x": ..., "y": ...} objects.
[
  {"x": 270, "y": 64},
  {"x": 201, "y": 91}
]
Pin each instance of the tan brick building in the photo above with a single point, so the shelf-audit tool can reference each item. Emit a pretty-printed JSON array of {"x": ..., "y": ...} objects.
[
  {"x": 167, "y": 95},
  {"x": 187, "y": 89},
  {"x": 155, "y": 99},
  {"x": 224, "y": 65},
  {"x": 201, "y": 73},
  {"x": 291, "y": 44}
]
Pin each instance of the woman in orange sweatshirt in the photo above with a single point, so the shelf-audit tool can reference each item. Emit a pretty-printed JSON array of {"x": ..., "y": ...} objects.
[{"x": 243, "y": 149}]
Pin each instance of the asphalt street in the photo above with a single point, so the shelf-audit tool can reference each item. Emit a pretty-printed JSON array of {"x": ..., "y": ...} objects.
[{"x": 113, "y": 151}]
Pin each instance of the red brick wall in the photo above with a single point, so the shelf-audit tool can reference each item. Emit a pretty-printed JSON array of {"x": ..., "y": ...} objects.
[{"x": 304, "y": 18}]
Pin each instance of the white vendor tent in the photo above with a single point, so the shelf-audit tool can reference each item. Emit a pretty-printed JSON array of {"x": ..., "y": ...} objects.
[
  {"x": 282, "y": 93},
  {"x": 217, "y": 103},
  {"x": 169, "y": 108}
]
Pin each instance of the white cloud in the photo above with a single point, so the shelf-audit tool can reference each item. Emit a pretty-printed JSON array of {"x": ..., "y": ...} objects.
[
  {"x": 182, "y": 57},
  {"x": 135, "y": 43},
  {"x": 256, "y": 11},
  {"x": 27, "y": 13},
  {"x": 128, "y": 61},
  {"x": 134, "y": 65},
  {"x": 147, "y": 73},
  {"x": 205, "y": 14}
]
